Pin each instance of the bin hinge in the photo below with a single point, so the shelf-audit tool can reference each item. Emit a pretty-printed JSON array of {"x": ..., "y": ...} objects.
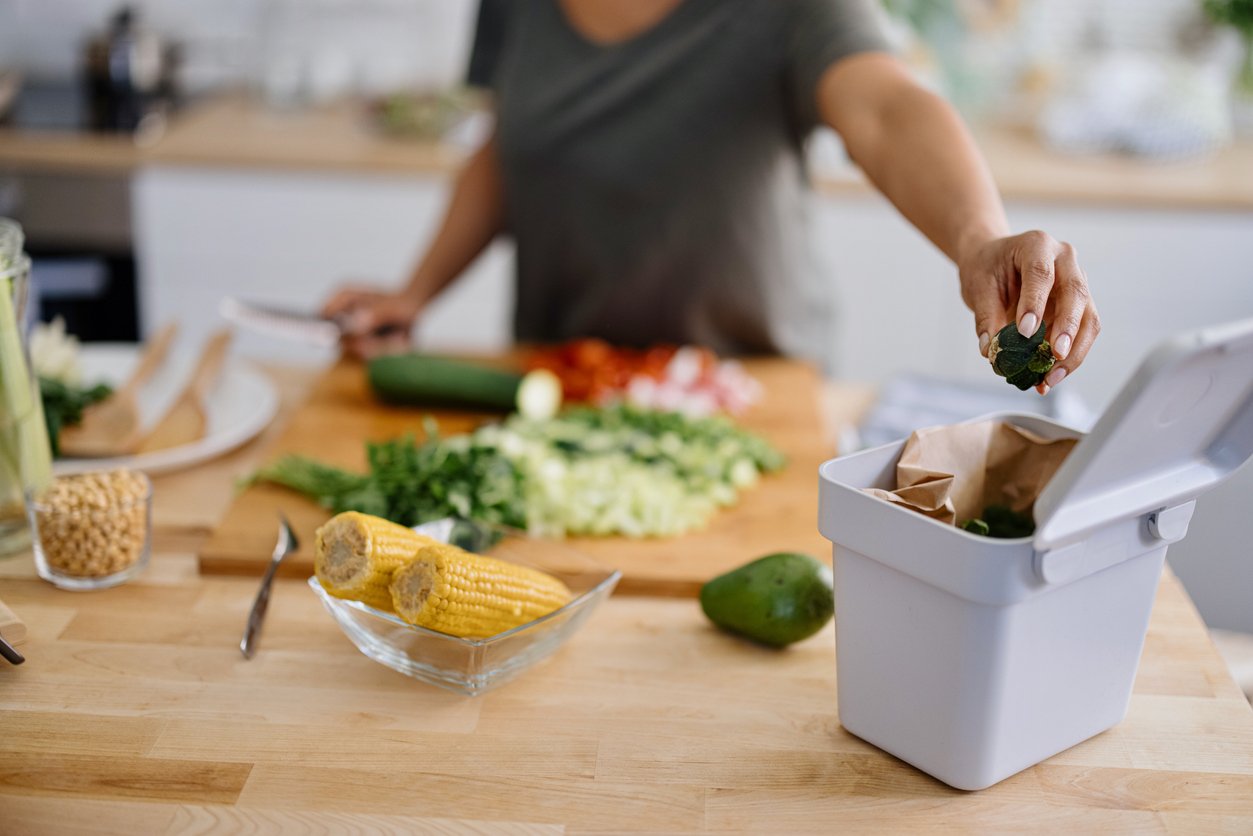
[{"x": 1171, "y": 524}]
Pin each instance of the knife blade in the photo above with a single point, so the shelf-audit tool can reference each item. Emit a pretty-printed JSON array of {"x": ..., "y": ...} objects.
[
  {"x": 284, "y": 323},
  {"x": 275, "y": 321}
]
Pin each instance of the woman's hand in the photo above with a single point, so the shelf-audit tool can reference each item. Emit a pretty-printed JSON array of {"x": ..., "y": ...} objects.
[
  {"x": 1029, "y": 279},
  {"x": 374, "y": 321}
]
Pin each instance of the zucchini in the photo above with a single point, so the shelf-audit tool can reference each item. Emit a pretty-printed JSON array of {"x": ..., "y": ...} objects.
[{"x": 422, "y": 379}]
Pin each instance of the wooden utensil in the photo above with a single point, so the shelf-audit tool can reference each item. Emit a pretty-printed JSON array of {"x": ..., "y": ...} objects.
[
  {"x": 186, "y": 420},
  {"x": 113, "y": 427}
]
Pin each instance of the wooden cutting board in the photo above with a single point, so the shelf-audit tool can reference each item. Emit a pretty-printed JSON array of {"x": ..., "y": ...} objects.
[{"x": 779, "y": 514}]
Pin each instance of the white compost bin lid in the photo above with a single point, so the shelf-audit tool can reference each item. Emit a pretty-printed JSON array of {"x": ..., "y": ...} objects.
[{"x": 1180, "y": 425}]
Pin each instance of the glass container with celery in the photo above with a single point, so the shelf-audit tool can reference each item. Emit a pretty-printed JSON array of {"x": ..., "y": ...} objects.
[{"x": 25, "y": 458}]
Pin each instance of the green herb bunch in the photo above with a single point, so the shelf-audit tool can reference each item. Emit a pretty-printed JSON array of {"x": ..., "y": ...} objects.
[{"x": 411, "y": 483}]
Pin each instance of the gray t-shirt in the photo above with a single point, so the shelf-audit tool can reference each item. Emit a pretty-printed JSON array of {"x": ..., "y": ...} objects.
[{"x": 656, "y": 187}]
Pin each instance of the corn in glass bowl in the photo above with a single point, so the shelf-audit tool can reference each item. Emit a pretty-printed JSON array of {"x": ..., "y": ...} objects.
[{"x": 473, "y": 666}]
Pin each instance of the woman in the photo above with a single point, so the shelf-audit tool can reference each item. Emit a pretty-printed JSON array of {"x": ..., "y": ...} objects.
[{"x": 648, "y": 162}]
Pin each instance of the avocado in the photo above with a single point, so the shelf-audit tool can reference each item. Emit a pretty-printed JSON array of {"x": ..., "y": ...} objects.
[{"x": 776, "y": 600}]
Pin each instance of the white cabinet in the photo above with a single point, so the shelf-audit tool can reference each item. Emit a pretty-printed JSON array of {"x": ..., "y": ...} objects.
[{"x": 290, "y": 238}]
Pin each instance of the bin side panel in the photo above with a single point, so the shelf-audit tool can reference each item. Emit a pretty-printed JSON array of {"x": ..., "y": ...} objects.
[
  {"x": 972, "y": 693},
  {"x": 1071, "y": 660},
  {"x": 913, "y": 672}
]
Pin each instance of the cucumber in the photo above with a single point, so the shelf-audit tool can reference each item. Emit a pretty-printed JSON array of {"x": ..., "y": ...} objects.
[{"x": 422, "y": 379}]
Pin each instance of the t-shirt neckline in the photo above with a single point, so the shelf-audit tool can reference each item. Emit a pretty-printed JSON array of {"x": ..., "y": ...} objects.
[{"x": 644, "y": 34}]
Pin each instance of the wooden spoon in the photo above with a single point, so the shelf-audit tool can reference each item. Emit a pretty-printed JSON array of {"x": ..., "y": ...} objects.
[
  {"x": 186, "y": 420},
  {"x": 112, "y": 427}
]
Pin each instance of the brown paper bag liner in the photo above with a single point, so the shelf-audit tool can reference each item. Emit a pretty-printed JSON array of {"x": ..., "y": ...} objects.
[{"x": 952, "y": 473}]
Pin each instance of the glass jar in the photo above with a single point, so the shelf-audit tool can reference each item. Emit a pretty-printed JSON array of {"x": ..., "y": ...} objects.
[
  {"x": 92, "y": 530},
  {"x": 25, "y": 458}
]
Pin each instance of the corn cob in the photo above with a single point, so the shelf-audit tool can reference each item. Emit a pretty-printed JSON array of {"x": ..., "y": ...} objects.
[
  {"x": 450, "y": 590},
  {"x": 356, "y": 555}
]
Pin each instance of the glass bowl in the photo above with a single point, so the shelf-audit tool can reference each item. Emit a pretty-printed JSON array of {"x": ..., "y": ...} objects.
[
  {"x": 92, "y": 530},
  {"x": 472, "y": 666}
]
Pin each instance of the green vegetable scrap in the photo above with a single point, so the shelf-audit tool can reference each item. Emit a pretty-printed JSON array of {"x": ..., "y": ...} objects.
[
  {"x": 1002, "y": 522},
  {"x": 619, "y": 470},
  {"x": 1022, "y": 361},
  {"x": 64, "y": 404},
  {"x": 977, "y": 526}
]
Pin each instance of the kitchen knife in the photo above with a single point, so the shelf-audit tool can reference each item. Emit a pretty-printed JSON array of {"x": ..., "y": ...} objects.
[{"x": 282, "y": 323}]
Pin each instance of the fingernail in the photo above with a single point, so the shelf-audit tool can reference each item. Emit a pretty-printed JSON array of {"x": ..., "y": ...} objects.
[
  {"x": 1028, "y": 324},
  {"x": 1062, "y": 347},
  {"x": 1055, "y": 377},
  {"x": 984, "y": 339}
]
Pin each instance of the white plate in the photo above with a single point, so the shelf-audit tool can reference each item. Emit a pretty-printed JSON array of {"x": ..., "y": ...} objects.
[{"x": 242, "y": 404}]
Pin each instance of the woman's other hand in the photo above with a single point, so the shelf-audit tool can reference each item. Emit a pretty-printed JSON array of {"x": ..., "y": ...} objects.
[
  {"x": 1029, "y": 279},
  {"x": 374, "y": 321}
]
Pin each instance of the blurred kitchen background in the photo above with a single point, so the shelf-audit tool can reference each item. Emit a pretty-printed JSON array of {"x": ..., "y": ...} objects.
[{"x": 273, "y": 149}]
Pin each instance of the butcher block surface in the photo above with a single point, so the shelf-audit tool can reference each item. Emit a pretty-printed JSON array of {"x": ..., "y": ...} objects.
[
  {"x": 779, "y": 514},
  {"x": 135, "y": 714}
]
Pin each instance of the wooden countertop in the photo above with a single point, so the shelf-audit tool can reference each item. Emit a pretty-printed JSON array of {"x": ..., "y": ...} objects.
[
  {"x": 135, "y": 713},
  {"x": 54, "y": 151},
  {"x": 234, "y": 131}
]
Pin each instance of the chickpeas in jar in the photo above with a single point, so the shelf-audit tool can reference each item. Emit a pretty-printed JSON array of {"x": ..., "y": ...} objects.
[{"x": 91, "y": 530}]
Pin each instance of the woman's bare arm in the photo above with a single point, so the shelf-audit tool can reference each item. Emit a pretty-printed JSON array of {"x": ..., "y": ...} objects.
[
  {"x": 378, "y": 320},
  {"x": 915, "y": 149}
]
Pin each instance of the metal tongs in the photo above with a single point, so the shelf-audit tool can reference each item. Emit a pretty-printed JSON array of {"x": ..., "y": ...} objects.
[{"x": 287, "y": 543}]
